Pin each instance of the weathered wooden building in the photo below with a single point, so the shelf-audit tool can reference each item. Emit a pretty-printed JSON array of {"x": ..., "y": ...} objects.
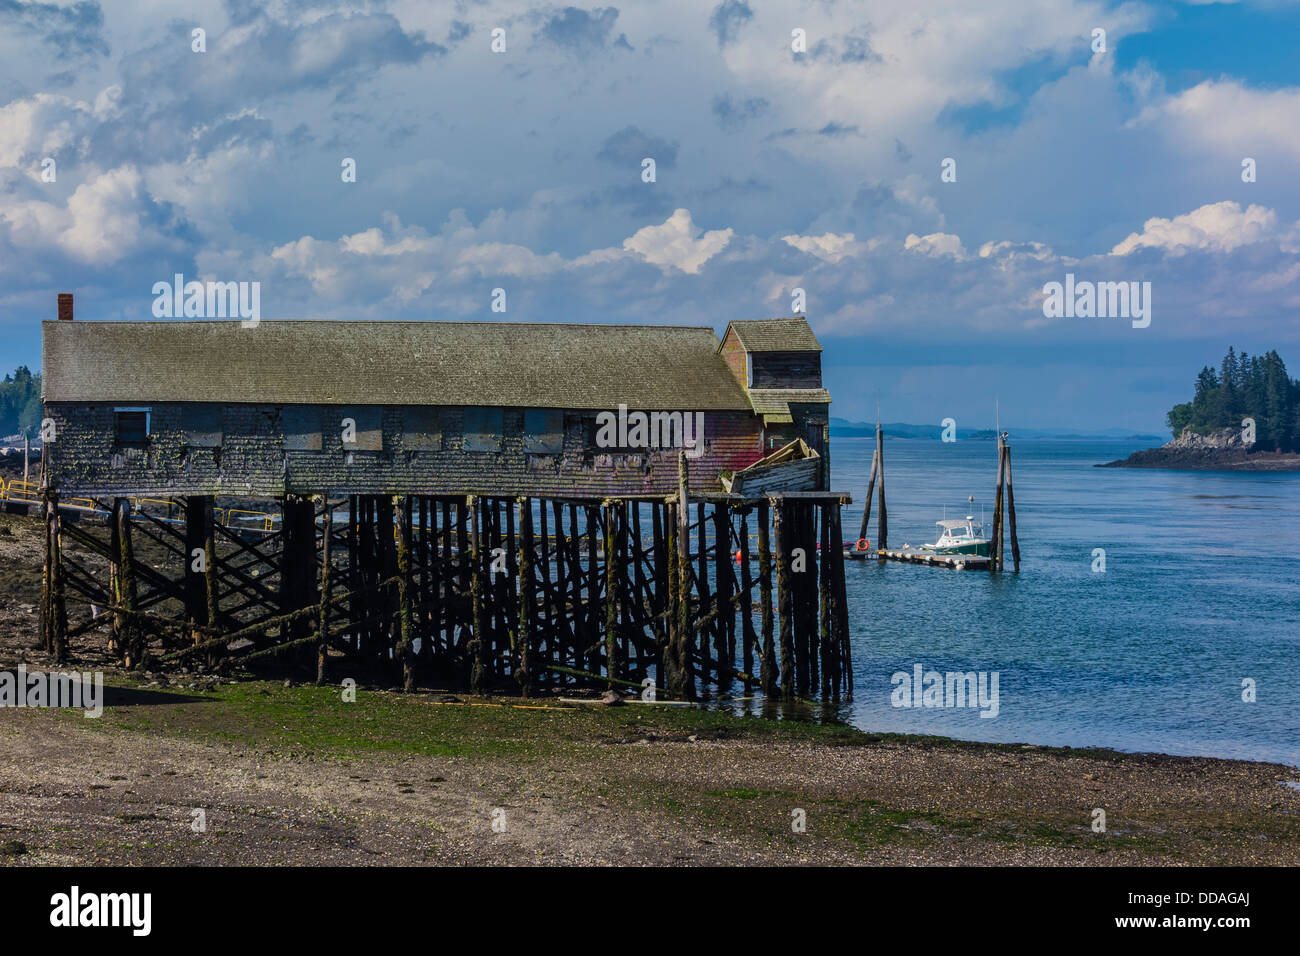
[
  {"x": 305, "y": 407},
  {"x": 491, "y": 502}
]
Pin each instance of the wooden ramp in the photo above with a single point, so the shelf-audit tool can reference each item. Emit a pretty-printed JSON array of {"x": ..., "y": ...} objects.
[{"x": 958, "y": 562}]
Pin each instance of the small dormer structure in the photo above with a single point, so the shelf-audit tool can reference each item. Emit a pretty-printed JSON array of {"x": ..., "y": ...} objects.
[{"x": 779, "y": 364}]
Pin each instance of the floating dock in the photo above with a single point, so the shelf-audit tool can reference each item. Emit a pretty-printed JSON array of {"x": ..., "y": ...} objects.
[
  {"x": 958, "y": 562},
  {"x": 861, "y": 549}
]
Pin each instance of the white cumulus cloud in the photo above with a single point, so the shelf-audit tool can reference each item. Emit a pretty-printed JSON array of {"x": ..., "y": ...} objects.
[
  {"x": 830, "y": 247},
  {"x": 936, "y": 244},
  {"x": 1215, "y": 227},
  {"x": 678, "y": 243}
]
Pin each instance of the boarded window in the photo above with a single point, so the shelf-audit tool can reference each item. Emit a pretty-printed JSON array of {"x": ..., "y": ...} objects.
[
  {"x": 202, "y": 424},
  {"x": 450, "y": 420},
  {"x": 370, "y": 427},
  {"x": 483, "y": 429},
  {"x": 131, "y": 426},
  {"x": 302, "y": 428},
  {"x": 422, "y": 430},
  {"x": 543, "y": 431}
]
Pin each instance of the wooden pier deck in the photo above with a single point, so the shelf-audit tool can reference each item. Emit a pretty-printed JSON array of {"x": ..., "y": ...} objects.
[{"x": 958, "y": 562}]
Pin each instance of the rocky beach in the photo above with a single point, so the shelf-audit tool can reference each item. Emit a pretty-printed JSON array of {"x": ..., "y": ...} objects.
[
  {"x": 286, "y": 773},
  {"x": 1220, "y": 450}
]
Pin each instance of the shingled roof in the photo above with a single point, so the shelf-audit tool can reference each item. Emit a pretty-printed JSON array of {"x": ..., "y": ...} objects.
[
  {"x": 774, "y": 403},
  {"x": 511, "y": 364},
  {"x": 775, "y": 335}
]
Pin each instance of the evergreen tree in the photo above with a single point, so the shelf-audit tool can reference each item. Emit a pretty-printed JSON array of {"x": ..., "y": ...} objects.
[
  {"x": 1245, "y": 386},
  {"x": 20, "y": 401}
]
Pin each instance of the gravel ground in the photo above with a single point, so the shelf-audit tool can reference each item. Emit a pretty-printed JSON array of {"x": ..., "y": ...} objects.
[{"x": 592, "y": 785}]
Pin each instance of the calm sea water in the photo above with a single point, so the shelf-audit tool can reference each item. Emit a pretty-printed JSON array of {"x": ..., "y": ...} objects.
[{"x": 1201, "y": 590}]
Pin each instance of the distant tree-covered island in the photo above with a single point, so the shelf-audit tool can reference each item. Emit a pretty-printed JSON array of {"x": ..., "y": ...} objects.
[
  {"x": 1243, "y": 417},
  {"x": 20, "y": 402},
  {"x": 1245, "y": 387}
]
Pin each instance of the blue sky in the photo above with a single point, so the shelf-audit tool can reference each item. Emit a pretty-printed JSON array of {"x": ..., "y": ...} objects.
[{"x": 776, "y": 169}]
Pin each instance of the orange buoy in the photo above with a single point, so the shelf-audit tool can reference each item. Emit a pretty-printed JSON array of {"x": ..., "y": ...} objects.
[
  {"x": 863, "y": 544},
  {"x": 738, "y": 557}
]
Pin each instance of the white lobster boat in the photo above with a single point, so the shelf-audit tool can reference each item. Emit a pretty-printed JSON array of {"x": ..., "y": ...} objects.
[{"x": 960, "y": 536}]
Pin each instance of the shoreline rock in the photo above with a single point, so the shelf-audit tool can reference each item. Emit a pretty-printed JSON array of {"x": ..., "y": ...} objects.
[{"x": 1221, "y": 450}]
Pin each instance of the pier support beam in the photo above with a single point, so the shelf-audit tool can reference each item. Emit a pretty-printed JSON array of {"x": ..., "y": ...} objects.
[
  {"x": 199, "y": 572},
  {"x": 789, "y": 669},
  {"x": 490, "y": 594},
  {"x": 770, "y": 673},
  {"x": 131, "y": 631},
  {"x": 298, "y": 563},
  {"x": 323, "y": 622},
  {"x": 405, "y": 614},
  {"x": 527, "y": 599}
]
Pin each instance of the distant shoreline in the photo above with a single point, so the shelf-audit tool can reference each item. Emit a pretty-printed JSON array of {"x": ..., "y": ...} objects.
[
  {"x": 986, "y": 435},
  {"x": 1208, "y": 459}
]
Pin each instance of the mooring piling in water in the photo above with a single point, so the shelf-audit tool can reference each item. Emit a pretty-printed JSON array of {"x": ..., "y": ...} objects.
[
  {"x": 1011, "y": 511},
  {"x": 882, "y": 518}
]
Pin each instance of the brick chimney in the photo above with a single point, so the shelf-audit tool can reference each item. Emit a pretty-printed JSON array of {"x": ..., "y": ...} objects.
[{"x": 65, "y": 306}]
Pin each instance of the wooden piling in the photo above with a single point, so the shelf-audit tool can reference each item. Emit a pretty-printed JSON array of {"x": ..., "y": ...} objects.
[
  {"x": 591, "y": 643},
  {"x": 405, "y": 614},
  {"x": 60, "y": 593},
  {"x": 995, "y": 547},
  {"x": 871, "y": 490},
  {"x": 882, "y": 517},
  {"x": 839, "y": 611},
  {"x": 477, "y": 647},
  {"x": 708, "y": 621},
  {"x": 132, "y": 629},
  {"x": 527, "y": 599},
  {"x": 826, "y": 652},
  {"x": 323, "y": 625},
  {"x": 445, "y": 616},
  {"x": 812, "y": 575},
  {"x": 116, "y": 637},
  {"x": 54, "y": 614},
  {"x": 1011, "y": 512},
  {"x": 748, "y": 636},
  {"x": 670, "y": 676},
  {"x": 724, "y": 634},
  {"x": 211, "y": 580},
  {"x": 47, "y": 576},
  {"x": 770, "y": 670},
  {"x": 196, "y": 578},
  {"x": 680, "y": 677},
  {"x": 610, "y": 518},
  {"x": 789, "y": 670}
]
